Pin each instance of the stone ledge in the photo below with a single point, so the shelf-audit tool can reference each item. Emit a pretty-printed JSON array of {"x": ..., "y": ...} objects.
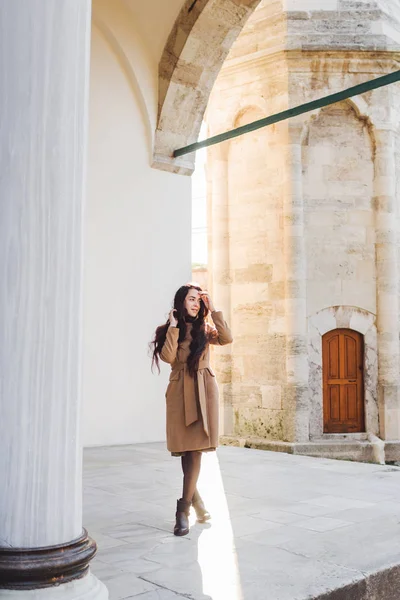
[
  {"x": 382, "y": 585},
  {"x": 179, "y": 166},
  {"x": 355, "y": 450},
  {"x": 392, "y": 451}
]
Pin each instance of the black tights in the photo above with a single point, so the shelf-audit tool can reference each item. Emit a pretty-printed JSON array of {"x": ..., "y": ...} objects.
[{"x": 191, "y": 463}]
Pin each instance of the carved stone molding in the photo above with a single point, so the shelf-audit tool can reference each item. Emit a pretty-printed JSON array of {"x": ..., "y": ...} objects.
[{"x": 31, "y": 568}]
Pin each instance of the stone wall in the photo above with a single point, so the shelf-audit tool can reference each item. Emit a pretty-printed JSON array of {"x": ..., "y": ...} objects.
[
  {"x": 343, "y": 24},
  {"x": 247, "y": 259},
  {"x": 339, "y": 217},
  {"x": 301, "y": 213},
  {"x": 257, "y": 280}
]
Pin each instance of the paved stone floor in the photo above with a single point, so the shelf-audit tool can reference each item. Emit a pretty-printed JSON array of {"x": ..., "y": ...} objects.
[{"x": 284, "y": 527}]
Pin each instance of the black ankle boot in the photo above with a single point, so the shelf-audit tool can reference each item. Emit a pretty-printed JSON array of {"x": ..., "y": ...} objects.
[
  {"x": 202, "y": 513},
  {"x": 182, "y": 517}
]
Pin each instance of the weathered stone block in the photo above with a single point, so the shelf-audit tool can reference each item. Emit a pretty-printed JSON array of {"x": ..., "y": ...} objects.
[
  {"x": 262, "y": 423},
  {"x": 295, "y": 398},
  {"x": 263, "y": 368},
  {"x": 296, "y": 344},
  {"x": 246, "y": 395},
  {"x": 271, "y": 397},
  {"x": 252, "y": 319},
  {"x": 276, "y": 291},
  {"x": 254, "y": 273}
]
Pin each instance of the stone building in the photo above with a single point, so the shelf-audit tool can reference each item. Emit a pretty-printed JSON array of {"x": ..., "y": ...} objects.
[
  {"x": 90, "y": 257},
  {"x": 304, "y": 231}
]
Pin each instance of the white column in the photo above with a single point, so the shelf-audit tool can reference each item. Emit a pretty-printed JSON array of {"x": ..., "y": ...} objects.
[
  {"x": 296, "y": 394},
  {"x": 387, "y": 284},
  {"x": 44, "y": 67}
]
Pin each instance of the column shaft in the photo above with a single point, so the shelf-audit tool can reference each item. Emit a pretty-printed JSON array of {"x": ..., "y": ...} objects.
[
  {"x": 387, "y": 284},
  {"x": 219, "y": 268},
  {"x": 218, "y": 213},
  {"x": 295, "y": 291},
  {"x": 44, "y": 50}
]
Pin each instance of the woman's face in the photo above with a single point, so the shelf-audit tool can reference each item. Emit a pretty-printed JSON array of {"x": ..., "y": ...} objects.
[{"x": 192, "y": 302}]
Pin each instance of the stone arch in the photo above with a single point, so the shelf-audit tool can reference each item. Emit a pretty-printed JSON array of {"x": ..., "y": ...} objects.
[
  {"x": 247, "y": 114},
  {"x": 343, "y": 317},
  {"x": 361, "y": 107},
  {"x": 361, "y": 110},
  {"x": 194, "y": 53},
  {"x": 220, "y": 121}
]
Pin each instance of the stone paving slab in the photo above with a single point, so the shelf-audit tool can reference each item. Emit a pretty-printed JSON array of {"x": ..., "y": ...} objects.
[{"x": 284, "y": 527}]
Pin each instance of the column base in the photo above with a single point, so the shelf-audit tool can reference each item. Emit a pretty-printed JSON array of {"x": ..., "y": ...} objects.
[
  {"x": 388, "y": 397},
  {"x": 86, "y": 588},
  {"x": 33, "y": 568}
]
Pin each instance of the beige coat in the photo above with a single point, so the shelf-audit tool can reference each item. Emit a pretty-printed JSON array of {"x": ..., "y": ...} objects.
[{"x": 192, "y": 403}]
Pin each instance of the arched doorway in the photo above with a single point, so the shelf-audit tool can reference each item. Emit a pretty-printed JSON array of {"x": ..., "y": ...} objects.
[{"x": 343, "y": 381}]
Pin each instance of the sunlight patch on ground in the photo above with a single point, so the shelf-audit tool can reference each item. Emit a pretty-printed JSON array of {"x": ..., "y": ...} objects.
[{"x": 216, "y": 545}]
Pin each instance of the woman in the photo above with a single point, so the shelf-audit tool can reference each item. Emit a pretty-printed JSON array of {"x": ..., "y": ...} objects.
[{"x": 192, "y": 393}]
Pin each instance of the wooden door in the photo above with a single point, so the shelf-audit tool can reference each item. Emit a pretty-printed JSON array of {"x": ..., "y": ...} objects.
[{"x": 343, "y": 380}]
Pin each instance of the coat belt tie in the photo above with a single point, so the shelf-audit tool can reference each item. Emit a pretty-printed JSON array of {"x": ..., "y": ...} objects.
[{"x": 190, "y": 404}]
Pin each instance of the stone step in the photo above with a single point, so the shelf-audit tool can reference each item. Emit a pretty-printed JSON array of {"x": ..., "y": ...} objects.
[
  {"x": 351, "y": 447},
  {"x": 342, "y": 436}
]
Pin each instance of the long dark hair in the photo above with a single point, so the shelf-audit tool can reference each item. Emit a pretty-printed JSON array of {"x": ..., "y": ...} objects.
[{"x": 199, "y": 336}]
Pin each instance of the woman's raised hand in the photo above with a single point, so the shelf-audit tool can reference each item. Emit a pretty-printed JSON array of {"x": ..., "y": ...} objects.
[
  {"x": 205, "y": 296},
  {"x": 172, "y": 320}
]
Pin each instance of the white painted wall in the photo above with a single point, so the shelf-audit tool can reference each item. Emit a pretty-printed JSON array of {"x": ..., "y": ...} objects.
[
  {"x": 155, "y": 19},
  {"x": 137, "y": 250}
]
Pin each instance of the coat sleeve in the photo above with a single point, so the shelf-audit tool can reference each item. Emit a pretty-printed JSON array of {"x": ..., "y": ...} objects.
[
  {"x": 220, "y": 334},
  {"x": 169, "y": 350}
]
